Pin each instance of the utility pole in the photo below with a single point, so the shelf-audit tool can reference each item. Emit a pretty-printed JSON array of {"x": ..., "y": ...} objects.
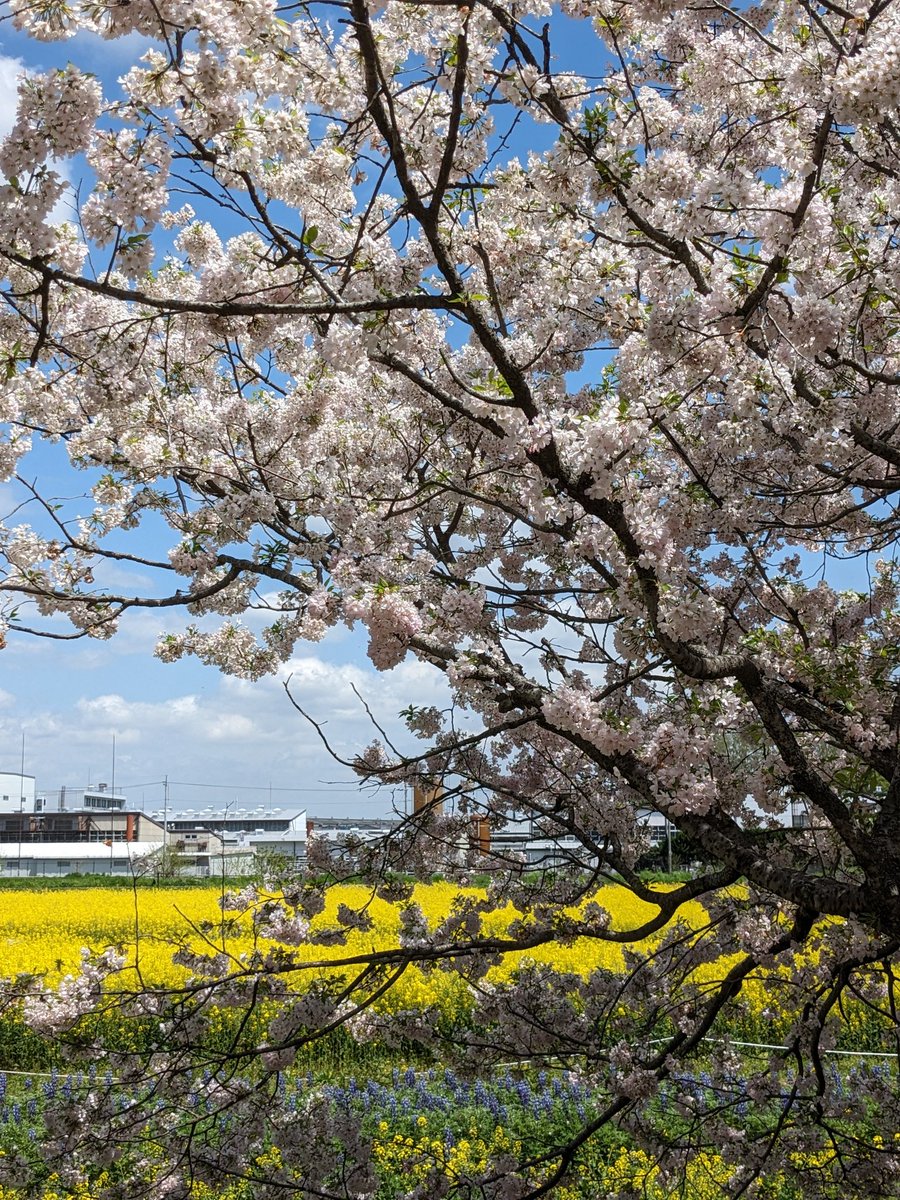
[
  {"x": 668, "y": 845},
  {"x": 21, "y": 805},
  {"x": 165, "y": 811}
]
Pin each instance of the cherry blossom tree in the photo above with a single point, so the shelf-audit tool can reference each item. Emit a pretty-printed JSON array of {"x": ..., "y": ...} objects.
[{"x": 557, "y": 347}]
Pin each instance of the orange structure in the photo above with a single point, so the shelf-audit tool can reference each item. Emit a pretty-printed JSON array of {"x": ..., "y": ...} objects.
[{"x": 428, "y": 799}]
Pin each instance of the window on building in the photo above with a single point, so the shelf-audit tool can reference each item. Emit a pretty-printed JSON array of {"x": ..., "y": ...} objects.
[{"x": 93, "y": 800}]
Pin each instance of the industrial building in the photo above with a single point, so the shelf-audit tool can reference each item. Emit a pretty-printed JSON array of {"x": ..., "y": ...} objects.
[
  {"x": 241, "y": 833},
  {"x": 93, "y": 830},
  {"x": 89, "y": 831}
]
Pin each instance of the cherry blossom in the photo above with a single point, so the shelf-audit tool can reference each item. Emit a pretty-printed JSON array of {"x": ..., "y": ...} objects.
[{"x": 579, "y": 387}]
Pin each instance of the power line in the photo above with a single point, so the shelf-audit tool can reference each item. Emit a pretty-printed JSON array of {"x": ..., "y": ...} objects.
[
  {"x": 239, "y": 787},
  {"x": 260, "y": 787}
]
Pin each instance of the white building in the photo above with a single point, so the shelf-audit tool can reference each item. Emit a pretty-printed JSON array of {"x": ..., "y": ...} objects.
[
  {"x": 16, "y": 792},
  {"x": 47, "y": 859},
  {"x": 239, "y": 835},
  {"x": 98, "y": 798},
  {"x": 655, "y": 824},
  {"x": 86, "y": 831}
]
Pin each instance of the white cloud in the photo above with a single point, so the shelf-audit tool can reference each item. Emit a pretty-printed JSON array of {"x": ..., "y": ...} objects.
[
  {"x": 109, "y": 52},
  {"x": 226, "y": 732},
  {"x": 10, "y": 70}
]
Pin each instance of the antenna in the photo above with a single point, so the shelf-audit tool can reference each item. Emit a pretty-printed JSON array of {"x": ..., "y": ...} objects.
[{"x": 21, "y": 805}]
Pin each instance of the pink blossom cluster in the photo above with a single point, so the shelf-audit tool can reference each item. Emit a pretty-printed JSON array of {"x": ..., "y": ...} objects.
[{"x": 392, "y": 620}]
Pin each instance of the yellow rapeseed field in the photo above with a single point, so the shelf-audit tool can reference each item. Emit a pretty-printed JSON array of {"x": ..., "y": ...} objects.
[{"x": 43, "y": 933}]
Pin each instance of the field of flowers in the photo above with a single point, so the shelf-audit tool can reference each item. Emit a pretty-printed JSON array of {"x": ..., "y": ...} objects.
[
  {"x": 419, "y": 1120},
  {"x": 43, "y": 933},
  {"x": 419, "y": 1117}
]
